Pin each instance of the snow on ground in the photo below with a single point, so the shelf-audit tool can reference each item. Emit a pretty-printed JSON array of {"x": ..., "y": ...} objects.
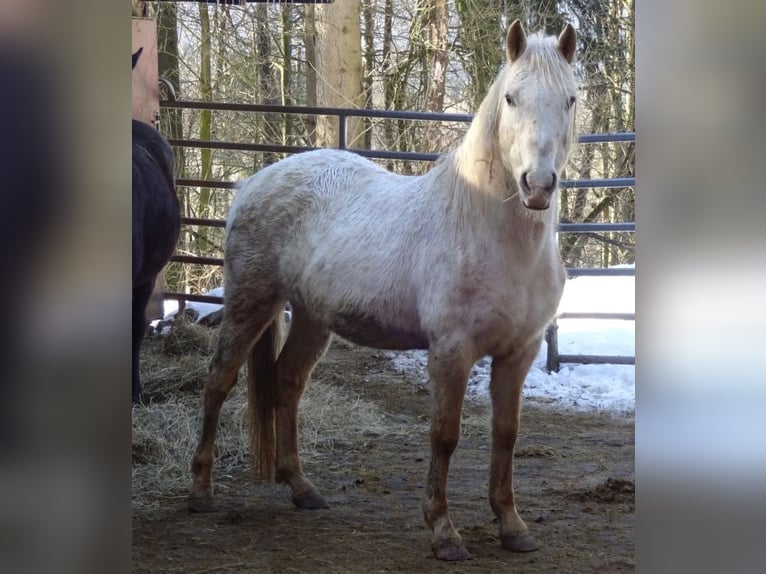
[
  {"x": 575, "y": 386},
  {"x": 202, "y": 309}
]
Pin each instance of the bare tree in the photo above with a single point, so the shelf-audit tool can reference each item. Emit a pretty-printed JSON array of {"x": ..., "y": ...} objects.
[
  {"x": 339, "y": 68},
  {"x": 437, "y": 54},
  {"x": 311, "y": 72}
]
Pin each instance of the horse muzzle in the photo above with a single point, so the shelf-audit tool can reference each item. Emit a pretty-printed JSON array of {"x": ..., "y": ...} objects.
[{"x": 537, "y": 188}]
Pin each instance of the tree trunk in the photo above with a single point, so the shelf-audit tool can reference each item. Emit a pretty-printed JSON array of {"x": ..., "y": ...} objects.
[
  {"x": 339, "y": 69},
  {"x": 270, "y": 123},
  {"x": 167, "y": 39},
  {"x": 311, "y": 70},
  {"x": 389, "y": 90},
  {"x": 171, "y": 121},
  {"x": 369, "y": 65},
  {"x": 436, "y": 20},
  {"x": 287, "y": 63},
  {"x": 205, "y": 125},
  {"x": 544, "y": 15},
  {"x": 479, "y": 32}
]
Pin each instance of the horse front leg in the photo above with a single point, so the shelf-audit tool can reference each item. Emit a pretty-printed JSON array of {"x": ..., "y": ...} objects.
[
  {"x": 448, "y": 370},
  {"x": 507, "y": 380}
]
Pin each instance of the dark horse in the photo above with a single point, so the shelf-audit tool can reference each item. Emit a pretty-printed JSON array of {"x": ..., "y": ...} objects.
[{"x": 156, "y": 222}]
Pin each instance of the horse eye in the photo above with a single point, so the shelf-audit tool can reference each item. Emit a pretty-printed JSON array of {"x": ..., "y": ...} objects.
[
  {"x": 509, "y": 100},
  {"x": 571, "y": 102}
]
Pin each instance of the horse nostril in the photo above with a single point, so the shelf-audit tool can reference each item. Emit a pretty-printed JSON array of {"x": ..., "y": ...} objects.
[
  {"x": 538, "y": 181},
  {"x": 554, "y": 181}
]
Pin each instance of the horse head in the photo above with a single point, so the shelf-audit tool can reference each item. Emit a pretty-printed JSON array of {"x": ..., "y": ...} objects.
[{"x": 535, "y": 97}]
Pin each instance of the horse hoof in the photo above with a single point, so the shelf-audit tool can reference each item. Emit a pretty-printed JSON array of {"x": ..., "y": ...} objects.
[
  {"x": 310, "y": 500},
  {"x": 201, "y": 503},
  {"x": 519, "y": 542},
  {"x": 450, "y": 551}
]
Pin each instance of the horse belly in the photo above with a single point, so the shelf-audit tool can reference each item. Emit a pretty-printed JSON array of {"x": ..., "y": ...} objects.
[
  {"x": 366, "y": 329},
  {"x": 382, "y": 318}
]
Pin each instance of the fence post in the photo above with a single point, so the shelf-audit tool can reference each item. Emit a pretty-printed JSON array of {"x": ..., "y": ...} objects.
[
  {"x": 341, "y": 131},
  {"x": 552, "y": 363}
]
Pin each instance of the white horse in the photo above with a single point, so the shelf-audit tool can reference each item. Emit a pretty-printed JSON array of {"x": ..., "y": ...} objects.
[{"x": 461, "y": 261}]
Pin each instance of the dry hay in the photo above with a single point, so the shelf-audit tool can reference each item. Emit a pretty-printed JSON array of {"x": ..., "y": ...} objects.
[
  {"x": 166, "y": 428},
  {"x": 187, "y": 338},
  {"x": 176, "y": 363},
  {"x": 475, "y": 424}
]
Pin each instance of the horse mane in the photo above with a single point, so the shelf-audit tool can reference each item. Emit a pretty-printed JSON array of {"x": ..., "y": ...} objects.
[{"x": 473, "y": 173}]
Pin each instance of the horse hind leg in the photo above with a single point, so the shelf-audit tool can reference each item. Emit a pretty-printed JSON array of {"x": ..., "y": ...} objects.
[
  {"x": 243, "y": 323},
  {"x": 306, "y": 343}
]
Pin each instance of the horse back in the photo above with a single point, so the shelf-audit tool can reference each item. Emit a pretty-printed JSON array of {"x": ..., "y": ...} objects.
[{"x": 334, "y": 233}]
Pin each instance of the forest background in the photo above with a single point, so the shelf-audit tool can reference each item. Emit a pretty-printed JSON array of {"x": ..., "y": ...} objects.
[{"x": 415, "y": 55}]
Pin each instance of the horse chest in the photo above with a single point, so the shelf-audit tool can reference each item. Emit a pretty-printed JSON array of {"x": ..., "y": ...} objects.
[{"x": 512, "y": 311}]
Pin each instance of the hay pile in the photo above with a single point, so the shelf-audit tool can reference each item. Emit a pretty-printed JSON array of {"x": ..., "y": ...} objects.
[{"x": 166, "y": 428}]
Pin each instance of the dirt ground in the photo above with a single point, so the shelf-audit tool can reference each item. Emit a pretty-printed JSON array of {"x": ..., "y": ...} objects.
[{"x": 574, "y": 484}]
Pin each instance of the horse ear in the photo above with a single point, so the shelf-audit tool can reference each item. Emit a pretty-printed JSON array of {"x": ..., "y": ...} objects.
[
  {"x": 567, "y": 43},
  {"x": 136, "y": 54},
  {"x": 516, "y": 42}
]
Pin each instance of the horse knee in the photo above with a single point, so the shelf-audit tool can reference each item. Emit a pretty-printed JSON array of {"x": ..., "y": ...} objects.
[
  {"x": 444, "y": 442},
  {"x": 504, "y": 434}
]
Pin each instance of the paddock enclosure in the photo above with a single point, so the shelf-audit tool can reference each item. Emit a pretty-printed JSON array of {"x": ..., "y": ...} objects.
[{"x": 364, "y": 425}]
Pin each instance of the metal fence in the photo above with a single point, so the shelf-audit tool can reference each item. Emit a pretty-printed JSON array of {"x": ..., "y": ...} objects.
[{"x": 554, "y": 358}]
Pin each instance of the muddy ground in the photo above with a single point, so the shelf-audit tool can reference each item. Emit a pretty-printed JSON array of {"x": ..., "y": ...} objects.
[{"x": 574, "y": 477}]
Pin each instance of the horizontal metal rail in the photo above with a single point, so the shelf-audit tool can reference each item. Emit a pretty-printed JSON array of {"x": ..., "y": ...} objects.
[
  {"x": 601, "y": 271},
  {"x": 608, "y": 182},
  {"x": 607, "y": 137},
  {"x": 366, "y": 113},
  {"x": 596, "y": 227},
  {"x": 606, "y": 316},
  {"x": 197, "y": 260},
  {"x": 317, "y": 111},
  {"x": 203, "y": 222},
  {"x": 182, "y": 297},
  {"x": 597, "y": 359},
  {"x": 206, "y": 183}
]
